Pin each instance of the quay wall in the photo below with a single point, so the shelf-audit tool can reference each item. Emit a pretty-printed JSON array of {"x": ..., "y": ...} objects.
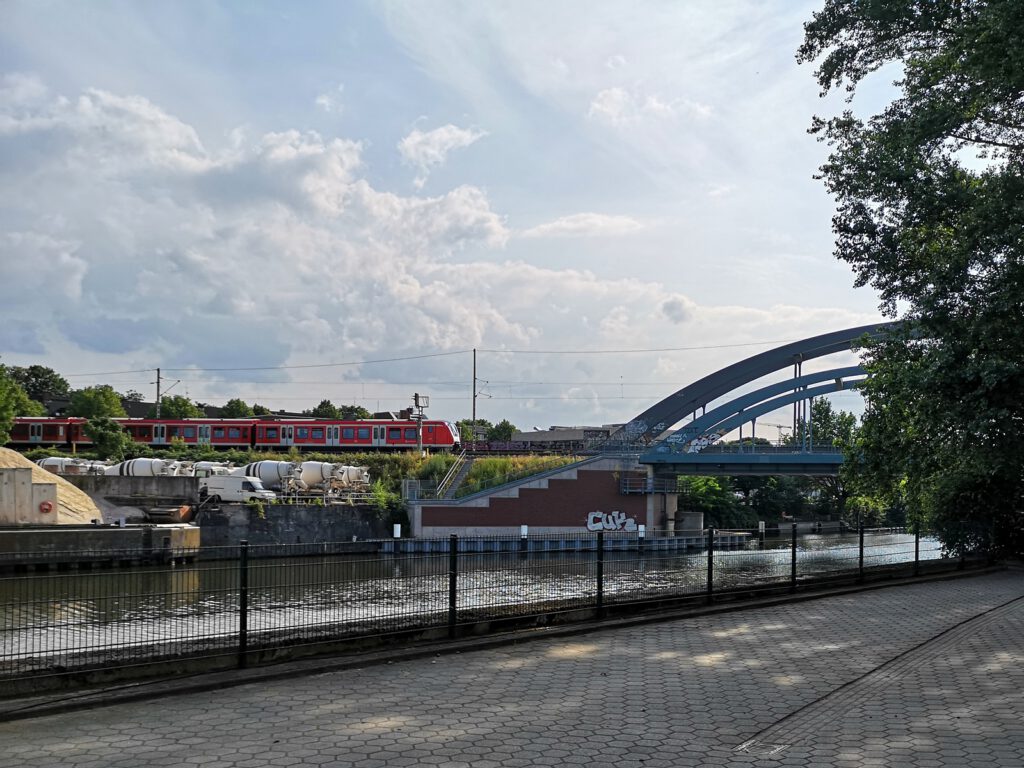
[{"x": 289, "y": 524}]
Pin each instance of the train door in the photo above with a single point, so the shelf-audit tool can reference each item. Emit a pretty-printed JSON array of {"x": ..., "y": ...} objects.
[
  {"x": 159, "y": 434},
  {"x": 35, "y": 433},
  {"x": 334, "y": 436},
  {"x": 203, "y": 434},
  {"x": 380, "y": 436},
  {"x": 287, "y": 434}
]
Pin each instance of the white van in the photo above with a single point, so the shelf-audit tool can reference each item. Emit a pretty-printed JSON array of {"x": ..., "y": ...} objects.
[{"x": 233, "y": 489}]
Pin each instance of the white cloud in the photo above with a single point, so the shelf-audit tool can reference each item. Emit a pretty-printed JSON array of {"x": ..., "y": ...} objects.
[
  {"x": 150, "y": 246},
  {"x": 427, "y": 150},
  {"x": 586, "y": 225},
  {"x": 620, "y": 107},
  {"x": 330, "y": 101}
]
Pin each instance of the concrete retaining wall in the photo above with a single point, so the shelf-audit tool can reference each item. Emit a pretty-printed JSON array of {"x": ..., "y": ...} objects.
[
  {"x": 102, "y": 486},
  {"x": 22, "y": 501},
  {"x": 289, "y": 524}
]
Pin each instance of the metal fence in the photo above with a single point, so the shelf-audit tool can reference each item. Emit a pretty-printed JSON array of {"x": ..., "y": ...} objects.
[{"x": 239, "y": 605}]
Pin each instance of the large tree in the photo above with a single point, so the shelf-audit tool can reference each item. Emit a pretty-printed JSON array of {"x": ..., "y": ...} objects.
[
  {"x": 14, "y": 402},
  {"x": 354, "y": 412},
  {"x": 177, "y": 407},
  {"x": 325, "y": 409},
  {"x": 108, "y": 437},
  {"x": 40, "y": 383},
  {"x": 236, "y": 408},
  {"x": 95, "y": 401},
  {"x": 929, "y": 195}
]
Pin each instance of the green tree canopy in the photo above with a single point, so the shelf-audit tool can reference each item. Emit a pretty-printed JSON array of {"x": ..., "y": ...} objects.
[
  {"x": 470, "y": 431},
  {"x": 14, "y": 402},
  {"x": 349, "y": 412},
  {"x": 929, "y": 214},
  {"x": 324, "y": 410},
  {"x": 236, "y": 409},
  {"x": 132, "y": 396},
  {"x": 260, "y": 410},
  {"x": 92, "y": 402},
  {"x": 502, "y": 432},
  {"x": 177, "y": 407},
  {"x": 108, "y": 437},
  {"x": 40, "y": 383}
]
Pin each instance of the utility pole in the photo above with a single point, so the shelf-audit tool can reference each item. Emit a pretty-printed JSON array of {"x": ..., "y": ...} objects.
[
  {"x": 158, "y": 393},
  {"x": 474, "y": 386},
  {"x": 419, "y": 403}
]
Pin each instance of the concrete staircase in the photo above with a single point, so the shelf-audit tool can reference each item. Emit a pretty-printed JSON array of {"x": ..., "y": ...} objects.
[{"x": 460, "y": 476}]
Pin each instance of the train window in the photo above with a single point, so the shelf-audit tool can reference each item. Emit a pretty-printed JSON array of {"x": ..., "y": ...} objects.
[
  {"x": 348, "y": 433},
  {"x": 410, "y": 433},
  {"x": 173, "y": 432},
  {"x": 272, "y": 433},
  {"x": 394, "y": 433},
  {"x": 190, "y": 432},
  {"x": 218, "y": 432},
  {"x": 302, "y": 433},
  {"x": 364, "y": 433},
  {"x": 234, "y": 432},
  {"x": 430, "y": 429},
  {"x": 317, "y": 433}
]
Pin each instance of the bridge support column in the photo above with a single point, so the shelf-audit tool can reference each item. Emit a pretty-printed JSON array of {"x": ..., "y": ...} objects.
[
  {"x": 689, "y": 523},
  {"x": 661, "y": 511}
]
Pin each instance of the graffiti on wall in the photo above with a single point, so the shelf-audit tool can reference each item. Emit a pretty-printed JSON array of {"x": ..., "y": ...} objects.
[{"x": 610, "y": 521}]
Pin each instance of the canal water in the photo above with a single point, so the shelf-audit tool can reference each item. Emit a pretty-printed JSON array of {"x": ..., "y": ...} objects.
[{"x": 50, "y": 615}]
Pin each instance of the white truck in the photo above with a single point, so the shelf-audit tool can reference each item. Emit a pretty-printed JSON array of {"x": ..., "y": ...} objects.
[{"x": 229, "y": 488}]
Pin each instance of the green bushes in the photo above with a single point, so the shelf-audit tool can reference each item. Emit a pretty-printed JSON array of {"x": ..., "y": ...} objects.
[{"x": 497, "y": 470}]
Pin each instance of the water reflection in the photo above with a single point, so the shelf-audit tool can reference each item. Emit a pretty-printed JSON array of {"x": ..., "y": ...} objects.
[{"x": 63, "y": 613}]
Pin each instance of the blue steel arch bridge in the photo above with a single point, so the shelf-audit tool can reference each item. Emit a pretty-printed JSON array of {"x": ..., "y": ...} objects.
[{"x": 693, "y": 448}]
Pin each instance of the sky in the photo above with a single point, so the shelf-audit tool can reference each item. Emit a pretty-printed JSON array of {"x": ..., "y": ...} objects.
[{"x": 291, "y": 202}]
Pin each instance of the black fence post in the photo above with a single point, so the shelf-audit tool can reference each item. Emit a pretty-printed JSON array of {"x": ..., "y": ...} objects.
[
  {"x": 917, "y": 548},
  {"x": 860, "y": 556},
  {"x": 711, "y": 565},
  {"x": 453, "y": 583},
  {"x": 243, "y": 604},
  {"x": 792, "y": 561},
  {"x": 600, "y": 575}
]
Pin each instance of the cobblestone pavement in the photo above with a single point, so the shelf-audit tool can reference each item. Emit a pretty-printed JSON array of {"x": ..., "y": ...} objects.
[{"x": 928, "y": 675}]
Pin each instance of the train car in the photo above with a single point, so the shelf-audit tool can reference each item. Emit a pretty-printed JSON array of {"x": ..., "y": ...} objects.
[
  {"x": 329, "y": 435},
  {"x": 218, "y": 433},
  {"x": 57, "y": 431},
  {"x": 263, "y": 432}
]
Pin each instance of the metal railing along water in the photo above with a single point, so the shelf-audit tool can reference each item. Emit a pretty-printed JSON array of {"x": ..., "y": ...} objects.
[{"x": 239, "y": 605}]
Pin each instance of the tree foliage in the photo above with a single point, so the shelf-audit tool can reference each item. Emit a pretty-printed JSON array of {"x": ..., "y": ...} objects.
[
  {"x": 40, "y": 383},
  {"x": 9, "y": 391},
  {"x": 324, "y": 410},
  {"x": 236, "y": 408},
  {"x": 929, "y": 214},
  {"x": 93, "y": 402},
  {"x": 177, "y": 407},
  {"x": 109, "y": 438},
  {"x": 502, "y": 432},
  {"x": 350, "y": 412},
  {"x": 470, "y": 431}
]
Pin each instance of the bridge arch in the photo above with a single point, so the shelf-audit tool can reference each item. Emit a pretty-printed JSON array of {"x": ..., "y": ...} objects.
[{"x": 653, "y": 422}]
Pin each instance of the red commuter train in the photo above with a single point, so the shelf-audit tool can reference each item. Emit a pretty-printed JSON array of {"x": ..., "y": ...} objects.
[{"x": 260, "y": 433}]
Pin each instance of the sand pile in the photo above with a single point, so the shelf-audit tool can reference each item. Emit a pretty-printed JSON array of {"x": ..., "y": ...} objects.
[{"x": 73, "y": 505}]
